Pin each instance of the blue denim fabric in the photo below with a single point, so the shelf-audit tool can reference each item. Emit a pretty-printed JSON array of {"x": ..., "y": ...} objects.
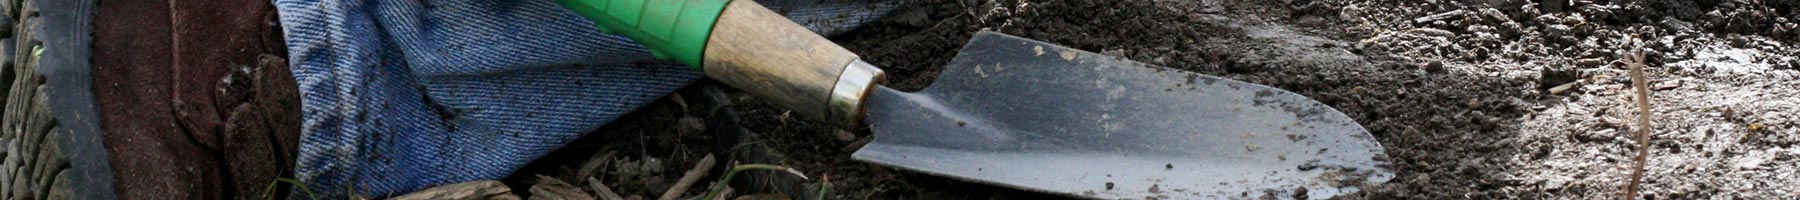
[{"x": 401, "y": 95}]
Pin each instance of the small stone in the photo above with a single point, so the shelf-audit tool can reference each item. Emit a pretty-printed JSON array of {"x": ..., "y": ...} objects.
[
  {"x": 1665, "y": 85},
  {"x": 652, "y": 165},
  {"x": 1480, "y": 29},
  {"x": 1547, "y": 18},
  {"x": 1300, "y": 193},
  {"x": 1433, "y": 32},
  {"x": 1440, "y": 16},
  {"x": 1434, "y": 66},
  {"x": 1559, "y": 30},
  {"x": 1729, "y": 113},
  {"x": 1109, "y": 185},
  {"x": 1563, "y": 88},
  {"x": 690, "y": 125},
  {"x": 1512, "y": 27},
  {"x": 1600, "y": 135},
  {"x": 1411, "y": 132},
  {"x": 1495, "y": 14},
  {"x": 1590, "y": 62},
  {"x": 1351, "y": 12},
  {"x": 845, "y": 136},
  {"x": 1308, "y": 166},
  {"x": 1530, "y": 9},
  {"x": 1574, "y": 19},
  {"x": 1612, "y": 122},
  {"x": 1113, "y": 52},
  {"x": 1553, "y": 77}
]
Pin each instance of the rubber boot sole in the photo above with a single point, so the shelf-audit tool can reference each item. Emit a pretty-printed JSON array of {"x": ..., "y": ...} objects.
[{"x": 49, "y": 128}]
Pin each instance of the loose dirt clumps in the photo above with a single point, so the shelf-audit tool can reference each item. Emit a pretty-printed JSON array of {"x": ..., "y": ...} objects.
[{"x": 1722, "y": 75}]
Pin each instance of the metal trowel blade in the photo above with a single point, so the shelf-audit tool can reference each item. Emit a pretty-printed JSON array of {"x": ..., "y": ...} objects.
[{"x": 1026, "y": 114}]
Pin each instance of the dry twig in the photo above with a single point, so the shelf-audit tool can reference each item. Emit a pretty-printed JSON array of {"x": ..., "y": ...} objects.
[
  {"x": 688, "y": 179},
  {"x": 1636, "y": 62},
  {"x": 482, "y": 189},
  {"x": 552, "y": 188}
]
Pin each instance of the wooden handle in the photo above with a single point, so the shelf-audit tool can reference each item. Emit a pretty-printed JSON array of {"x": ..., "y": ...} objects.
[{"x": 761, "y": 52}]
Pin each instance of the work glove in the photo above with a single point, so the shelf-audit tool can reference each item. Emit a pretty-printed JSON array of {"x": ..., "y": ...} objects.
[{"x": 402, "y": 95}]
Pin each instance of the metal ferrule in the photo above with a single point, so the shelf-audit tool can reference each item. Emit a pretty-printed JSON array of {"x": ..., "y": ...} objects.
[{"x": 845, "y": 107}]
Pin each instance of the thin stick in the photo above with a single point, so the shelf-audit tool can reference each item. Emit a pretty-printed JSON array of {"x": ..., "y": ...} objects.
[
  {"x": 688, "y": 179},
  {"x": 1643, "y": 134}
]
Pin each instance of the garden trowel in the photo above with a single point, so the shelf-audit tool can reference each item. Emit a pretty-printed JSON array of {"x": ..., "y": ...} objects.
[{"x": 1022, "y": 113}]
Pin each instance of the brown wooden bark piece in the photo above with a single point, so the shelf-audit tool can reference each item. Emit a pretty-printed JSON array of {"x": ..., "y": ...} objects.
[
  {"x": 551, "y": 188},
  {"x": 482, "y": 189}
]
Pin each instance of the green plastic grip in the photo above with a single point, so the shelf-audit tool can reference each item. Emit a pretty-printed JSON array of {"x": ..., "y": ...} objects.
[{"x": 673, "y": 29}]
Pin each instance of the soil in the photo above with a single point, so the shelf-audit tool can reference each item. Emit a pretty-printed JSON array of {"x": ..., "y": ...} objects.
[{"x": 1472, "y": 99}]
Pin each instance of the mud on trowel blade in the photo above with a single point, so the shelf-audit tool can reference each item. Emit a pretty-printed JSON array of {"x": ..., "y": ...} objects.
[{"x": 1035, "y": 116}]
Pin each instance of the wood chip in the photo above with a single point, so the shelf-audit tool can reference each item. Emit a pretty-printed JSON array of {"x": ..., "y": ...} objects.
[
  {"x": 482, "y": 189},
  {"x": 1440, "y": 16},
  {"x": 1590, "y": 62},
  {"x": 1666, "y": 85},
  {"x": 1433, "y": 32},
  {"x": 1496, "y": 15},
  {"x": 1563, "y": 88},
  {"x": 602, "y": 191},
  {"x": 845, "y": 136},
  {"x": 595, "y": 165},
  {"x": 552, "y": 188},
  {"x": 688, "y": 179}
]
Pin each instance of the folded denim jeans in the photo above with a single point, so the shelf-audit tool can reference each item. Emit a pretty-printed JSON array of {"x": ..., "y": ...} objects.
[{"x": 397, "y": 96}]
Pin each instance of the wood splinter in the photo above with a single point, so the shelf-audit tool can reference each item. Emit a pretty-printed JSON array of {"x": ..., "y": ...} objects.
[{"x": 688, "y": 179}]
